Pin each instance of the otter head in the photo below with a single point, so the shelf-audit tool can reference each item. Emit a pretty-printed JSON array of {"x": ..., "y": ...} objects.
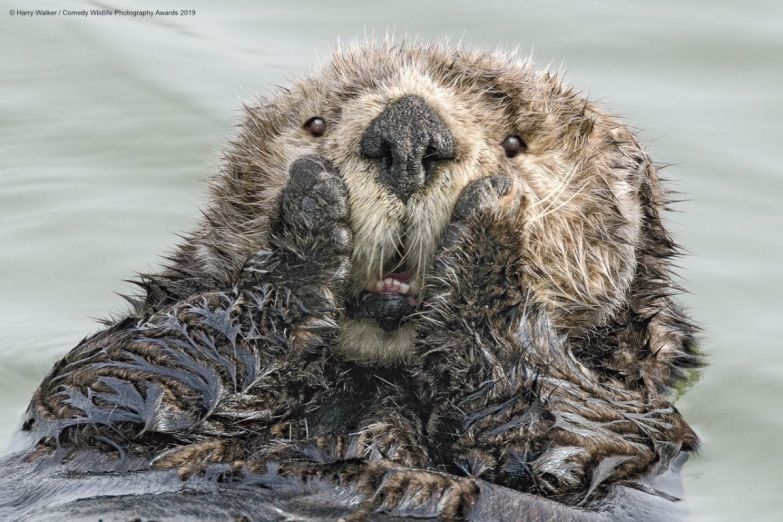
[{"x": 408, "y": 128}]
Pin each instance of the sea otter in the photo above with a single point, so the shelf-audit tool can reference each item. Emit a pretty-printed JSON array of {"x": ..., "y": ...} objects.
[{"x": 424, "y": 272}]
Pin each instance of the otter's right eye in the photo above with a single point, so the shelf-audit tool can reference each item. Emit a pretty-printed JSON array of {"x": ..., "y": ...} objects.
[
  {"x": 315, "y": 126},
  {"x": 513, "y": 145}
]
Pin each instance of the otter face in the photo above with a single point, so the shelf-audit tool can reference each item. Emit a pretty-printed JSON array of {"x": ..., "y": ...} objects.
[{"x": 409, "y": 129}]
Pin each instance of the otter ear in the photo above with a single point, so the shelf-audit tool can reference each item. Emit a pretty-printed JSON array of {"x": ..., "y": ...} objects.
[{"x": 666, "y": 334}]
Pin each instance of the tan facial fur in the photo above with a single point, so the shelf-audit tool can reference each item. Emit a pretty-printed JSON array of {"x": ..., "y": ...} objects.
[{"x": 581, "y": 176}]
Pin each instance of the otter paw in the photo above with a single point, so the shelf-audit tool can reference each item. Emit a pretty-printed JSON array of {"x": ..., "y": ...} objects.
[
  {"x": 315, "y": 196},
  {"x": 486, "y": 195},
  {"x": 481, "y": 195},
  {"x": 475, "y": 270},
  {"x": 310, "y": 244}
]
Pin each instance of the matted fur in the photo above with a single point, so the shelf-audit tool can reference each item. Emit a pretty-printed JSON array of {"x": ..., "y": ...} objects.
[
  {"x": 546, "y": 341},
  {"x": 591, "y": 185}
]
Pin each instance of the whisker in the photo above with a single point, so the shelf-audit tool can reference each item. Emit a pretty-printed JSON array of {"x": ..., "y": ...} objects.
[
  {"x": 558, "y": 191},
  {"x": 564, "y": 203}
]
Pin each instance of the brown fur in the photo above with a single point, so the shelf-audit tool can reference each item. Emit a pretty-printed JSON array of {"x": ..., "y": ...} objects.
[
  {"x": 547, "y": 340},
  {"x": 592, "y": 227}
]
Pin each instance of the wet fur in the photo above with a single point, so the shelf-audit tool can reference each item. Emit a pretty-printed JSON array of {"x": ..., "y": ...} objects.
[{"x": 541, "y": 358}]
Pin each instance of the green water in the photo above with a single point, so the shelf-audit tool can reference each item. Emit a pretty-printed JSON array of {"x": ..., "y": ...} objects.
[{"x": 109, "y": 126}]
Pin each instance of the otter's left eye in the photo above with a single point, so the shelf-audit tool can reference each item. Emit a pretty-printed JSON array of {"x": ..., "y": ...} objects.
[
  {"x": 513, "y": 145},
  {"x": 315, "y": 126}
]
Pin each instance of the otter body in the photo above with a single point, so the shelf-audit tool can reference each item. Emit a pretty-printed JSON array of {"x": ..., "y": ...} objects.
[{"x": 425, "y": 273}]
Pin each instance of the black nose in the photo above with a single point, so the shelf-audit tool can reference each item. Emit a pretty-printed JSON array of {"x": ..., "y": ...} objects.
[{"x": 409, "y": 138}]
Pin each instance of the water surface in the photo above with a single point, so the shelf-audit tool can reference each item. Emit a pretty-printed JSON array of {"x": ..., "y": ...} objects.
[{"x": 109, "y": 127}]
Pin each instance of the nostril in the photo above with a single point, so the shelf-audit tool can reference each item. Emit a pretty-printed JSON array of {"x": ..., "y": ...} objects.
[
  {"x": 428, "y": 159},
  {"x": 385, "y": 155}
]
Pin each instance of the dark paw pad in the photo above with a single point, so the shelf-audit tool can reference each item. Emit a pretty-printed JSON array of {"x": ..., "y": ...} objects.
[
  {"x": 483, "y": 194},
  {"x": 480, "y": 196},
  {"x": 315, "y": 194}
]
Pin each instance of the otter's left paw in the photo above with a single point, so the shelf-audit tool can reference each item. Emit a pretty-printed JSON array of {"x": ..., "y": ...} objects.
[
  {"x": 477, "y": 266},
  {"x": 483, "y": 194},
  {"x": 483, "y": 197}
]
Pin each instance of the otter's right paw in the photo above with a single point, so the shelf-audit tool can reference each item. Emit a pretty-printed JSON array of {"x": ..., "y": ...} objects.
[
  {"x": 310, "y": 243},
  {"x": 315, "y": 197},
  {"x": 299, "y": 279}
]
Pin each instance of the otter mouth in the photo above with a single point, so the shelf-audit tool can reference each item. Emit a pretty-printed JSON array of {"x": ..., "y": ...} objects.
[{"x": 389, "y": 301}]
